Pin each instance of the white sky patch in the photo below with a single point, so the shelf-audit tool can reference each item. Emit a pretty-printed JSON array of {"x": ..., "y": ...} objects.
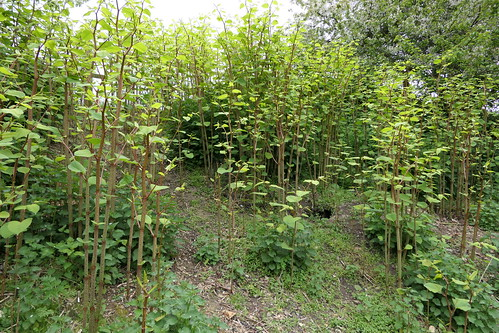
[{"x": 170, "y": 11}]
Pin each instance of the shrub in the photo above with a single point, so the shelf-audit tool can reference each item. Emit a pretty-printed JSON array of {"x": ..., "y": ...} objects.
[
  {"x": 419, "y": 225},
  {"x": 171, "y": 307},
  {"x": 449, "y": 292},
  {"x": 37, "y": 305},
  {"x": 488, "y": 215},
  {"x": 207, "y": 250},
  {"x": 282, "y": 245}
]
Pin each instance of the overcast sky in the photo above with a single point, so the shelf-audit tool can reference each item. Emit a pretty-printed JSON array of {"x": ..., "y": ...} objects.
[{"x": 186, "y": 10}]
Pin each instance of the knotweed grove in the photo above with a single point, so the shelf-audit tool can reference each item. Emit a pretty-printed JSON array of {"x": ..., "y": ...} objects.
[{"x": 97, "y": 117}]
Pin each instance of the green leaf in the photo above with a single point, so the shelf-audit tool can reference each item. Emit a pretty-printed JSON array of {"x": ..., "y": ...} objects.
[
  {"x": 238, "y": 184},
  {"x": 144, "y": 130},
  {"x": 15, "y": 93},
  {"x": 48, "y": 128},
  {"x": 4, "y": 215},
  {"x": 391, "y": 217},
  {"x": 94, "y": 141},
  {"x": 222, "y": 170},
  {"x": 50, "y": 44},
  {"x": 462, "y": 304},
  {"x": 7, "y": 154},
  {"x": 433, "y": 287},
  {"x": 156, "y": 188},
  {"x": 34, "y": 208},
  {"x": 141, "y": 47},
  {"x": 311, "y": 181},
  {"x": 23, "y": 170},
  {"x": 285, "y": 246},
  {"x": 459, "y": 282},
  {"x": 426, "y": 262},
  {"x": 284, "y": 207},
  {"x": 281, "y": 228},
  {"x": 15, "y": 112},
  {"x": 293, "y": 222},
  {"x": 188, "y": 155},
  {"x": 293, "y": 198},
  {"x": 128, "y": 12},
  {"x": 473, "y": 275},
  {"x": 148, "y": 219},
  {"x": 302, "y": 193},
  {"x": 83, "y": 153},
  {"x": 86, "y": 35},
  {"x": 384, "y": 159},
  {"x": 6, "y": 71},
  {"x": 459, "y": 320},
  {"x": 224, "y": 96},
  {"x": 422, "y": 204},
  {"x": 431, "y": 199},
  {"x": 92, "y": 180},
  {"x": 126, "y": 180},
  {"x": 13, "y": 228},
  {"x": 76, "y": 167}
]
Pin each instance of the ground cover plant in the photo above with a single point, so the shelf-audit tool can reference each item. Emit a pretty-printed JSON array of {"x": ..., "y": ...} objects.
[{"x": 298, "y": 185}]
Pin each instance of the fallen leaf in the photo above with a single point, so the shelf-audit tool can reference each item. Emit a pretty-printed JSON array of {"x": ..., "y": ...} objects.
[{"x": 228, "y": 314}]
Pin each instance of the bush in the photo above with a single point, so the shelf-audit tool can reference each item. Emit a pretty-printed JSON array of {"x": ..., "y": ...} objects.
[
  {"x": 488, "y": 215},
  {"x": 207, "y": 250},
  {"x": 279, "y": 247},
  {"x": 38, "y": 304},
  {"x": 171, "y": 307},
  {"x": 421, "y": 225},
  {"x": 449, "y": 292}
]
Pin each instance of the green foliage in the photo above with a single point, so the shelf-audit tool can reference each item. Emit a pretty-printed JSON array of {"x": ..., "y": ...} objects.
[
  {"x": 236, "y": 270},
  {"x": 171, "y": 307},
  {"x": 39, "y": 302},
  {"x": 488, "y": 214},
  {"x": 329, "y": 197},
  {"x": 66, "y": 255},
  {"x": 312, "y": 281},
  {"x": 279, "y": 247},
  {"x": 372, "y": 314},
  {"x": 94, "y": 116},
  {"x": 207, "y": 250},
  {"x": 375, "y": 225},
  {"x": 388, "y": 31},
  {"x": 449, "y": 292}
]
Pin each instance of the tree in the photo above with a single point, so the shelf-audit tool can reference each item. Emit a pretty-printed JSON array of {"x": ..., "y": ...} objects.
[{"x": 464, "y": 32}]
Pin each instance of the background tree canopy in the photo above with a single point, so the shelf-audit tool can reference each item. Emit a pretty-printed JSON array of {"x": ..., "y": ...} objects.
[{"x": 463, "y": 32}]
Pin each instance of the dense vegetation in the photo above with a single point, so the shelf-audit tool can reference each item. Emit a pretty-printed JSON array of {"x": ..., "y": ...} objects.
[{"x": 98, "y": 119}]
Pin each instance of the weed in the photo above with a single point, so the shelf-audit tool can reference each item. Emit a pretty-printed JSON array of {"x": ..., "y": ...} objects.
[
  {"x": 488, "y": 214},
  {"x": 279, "y": 247},
  {"x": 38, "y": 305},
  {"x": 372, "y": 314},
  {"x": 207, "y": 250},
  {"x": 449, "y": 292},
  {"x": 171, "y": 307},
  {"x": 238, "y": 300}
]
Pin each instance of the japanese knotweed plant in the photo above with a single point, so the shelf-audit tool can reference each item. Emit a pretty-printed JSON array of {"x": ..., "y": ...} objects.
[
  {"x": 450, "y": 292},
  {"x": 401, "y": 173}
]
